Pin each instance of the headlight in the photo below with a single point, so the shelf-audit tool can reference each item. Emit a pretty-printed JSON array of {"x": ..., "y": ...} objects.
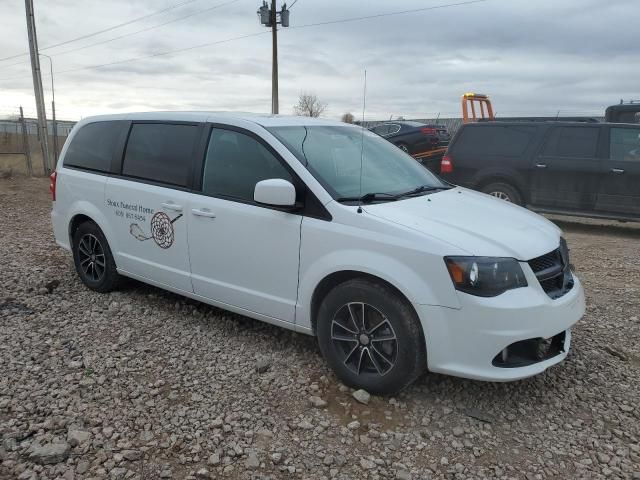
[{"x": 485, "y": 276}]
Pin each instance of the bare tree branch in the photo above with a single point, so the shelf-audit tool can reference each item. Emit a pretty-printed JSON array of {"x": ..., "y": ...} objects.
[{"x": 309, "y": 105}]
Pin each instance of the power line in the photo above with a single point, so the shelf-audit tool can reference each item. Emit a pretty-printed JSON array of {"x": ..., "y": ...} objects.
[
  {"x": 345, "y": 20},
  {"x": 159, "y": 54},
  {"x": 388, "y": 14},
  {"x": 153, "y": 27},
  {"x": 89, "y": 35}
]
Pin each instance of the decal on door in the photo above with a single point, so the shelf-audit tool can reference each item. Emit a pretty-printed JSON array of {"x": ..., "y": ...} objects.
[
  {"x": 161, "y": 230},
  {"x": 161, "y": 225}
]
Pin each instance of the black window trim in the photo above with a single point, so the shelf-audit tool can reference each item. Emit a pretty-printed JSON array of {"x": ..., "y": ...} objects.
[
  {"x": 119, "y": 163},
  {"x": 310, "y": 205}
]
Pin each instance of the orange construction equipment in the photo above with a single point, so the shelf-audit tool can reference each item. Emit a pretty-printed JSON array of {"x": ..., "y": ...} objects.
[
  {"x": 480, "y": 107},
  {"x": 436, "y": 152}
]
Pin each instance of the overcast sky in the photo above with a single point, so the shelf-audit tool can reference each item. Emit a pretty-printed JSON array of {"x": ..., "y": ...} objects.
[{"x": 575, "y": 56}]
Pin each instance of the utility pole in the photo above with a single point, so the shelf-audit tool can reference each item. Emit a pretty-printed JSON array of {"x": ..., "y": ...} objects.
[
  {"x": 37, "y": 84},
  {"x": 269, "y": 18},
  {"x": 274, "y": 60}
]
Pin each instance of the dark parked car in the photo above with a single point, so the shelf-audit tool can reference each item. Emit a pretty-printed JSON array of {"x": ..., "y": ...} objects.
[
  {"x": 413, "y": 137},
  {"x": 561, "y": 167}
]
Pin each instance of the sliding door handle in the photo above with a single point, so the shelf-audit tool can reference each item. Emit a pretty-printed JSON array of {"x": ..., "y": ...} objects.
[
  {"x": 541, "y": 165},
  {"x": 617, "y": 171},
  {"x": 172, "y": 206},
  {"x": 204, "y": 212}
]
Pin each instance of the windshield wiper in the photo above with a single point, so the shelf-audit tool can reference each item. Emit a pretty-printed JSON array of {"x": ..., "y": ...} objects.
[
  {"x": 420, "y": 189},
  {"x": 390, "y": 197},
  {"x": 369, "y": 197}
]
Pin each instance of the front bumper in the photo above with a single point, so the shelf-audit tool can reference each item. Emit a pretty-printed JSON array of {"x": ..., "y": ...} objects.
[{"x": 464, "y": 342}]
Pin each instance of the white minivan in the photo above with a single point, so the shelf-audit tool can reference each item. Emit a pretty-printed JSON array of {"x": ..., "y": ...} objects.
[{"x": 324, "y": 228}]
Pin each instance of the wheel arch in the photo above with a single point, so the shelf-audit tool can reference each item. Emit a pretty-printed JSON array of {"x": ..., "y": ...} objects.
[
  {"x": 86, "y": 212},
  {"x": 507, "y": 179},
  {"x": 334, "y": 279}
]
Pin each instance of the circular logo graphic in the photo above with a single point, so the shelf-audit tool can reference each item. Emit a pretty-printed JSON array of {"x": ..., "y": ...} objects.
[{"x": 162, "y": 230}]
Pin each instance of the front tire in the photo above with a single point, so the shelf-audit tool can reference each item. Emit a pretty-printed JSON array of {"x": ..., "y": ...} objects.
[
  {"x": 371, "y": 337},
  {"x": 93, "y": 259},
  {"x": 503, "y": 191}
]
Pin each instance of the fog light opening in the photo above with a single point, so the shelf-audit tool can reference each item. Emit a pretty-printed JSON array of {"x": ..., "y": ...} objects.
[{"x": 530, "y": 351}]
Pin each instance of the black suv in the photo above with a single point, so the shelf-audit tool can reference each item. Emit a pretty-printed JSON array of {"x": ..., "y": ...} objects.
[{"x": 556, "y": 167}]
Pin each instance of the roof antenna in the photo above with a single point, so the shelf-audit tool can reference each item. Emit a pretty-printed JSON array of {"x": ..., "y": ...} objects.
[{"x": 364, "y": 105}]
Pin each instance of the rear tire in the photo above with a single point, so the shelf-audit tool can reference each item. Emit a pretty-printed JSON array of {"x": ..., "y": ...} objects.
[
  {"x": 93, "y": 259},
  {"x": 371, "y": 337},
  {"x": 404, "y": 147},
  {"x": 503, "y": 191}
]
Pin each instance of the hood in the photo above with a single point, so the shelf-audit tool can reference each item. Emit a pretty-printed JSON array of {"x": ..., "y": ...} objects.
[{"x": 474, "y": 222}]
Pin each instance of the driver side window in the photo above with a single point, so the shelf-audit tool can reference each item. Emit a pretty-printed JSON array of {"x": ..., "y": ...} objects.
[{"x": 235, "y": 162}]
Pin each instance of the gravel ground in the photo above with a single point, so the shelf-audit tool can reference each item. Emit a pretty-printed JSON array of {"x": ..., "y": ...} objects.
[{"x": 145, "y": 384}]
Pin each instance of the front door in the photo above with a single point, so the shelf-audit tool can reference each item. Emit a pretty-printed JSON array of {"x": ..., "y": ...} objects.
[
  {"x": 565, "y": 172},
  {"x": 148, "y": 201},
  {"x": 619, "y": 192},
  {"x": 243, "y": 254}
]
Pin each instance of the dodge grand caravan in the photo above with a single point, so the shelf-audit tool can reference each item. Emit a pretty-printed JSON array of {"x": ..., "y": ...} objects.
[{"x": 323, "y": 228}]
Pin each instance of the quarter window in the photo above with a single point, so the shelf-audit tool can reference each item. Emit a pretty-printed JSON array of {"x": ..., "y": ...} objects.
[
  {"x": 580, "y": 142},
  {"x": 94, "y": 145},
  {"x": 381, "y": 129},
  {"x": 393, "y": 129},
  {"x": 160, "y": 152},
  {"x": 235, "y": 162},
  {"x": 625, "y": 144},
  {"x": 494, "y": 140}
]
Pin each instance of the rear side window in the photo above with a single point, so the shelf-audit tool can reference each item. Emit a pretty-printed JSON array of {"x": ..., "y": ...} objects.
[
  {"x": 381, "y": 129},
  {"x": 581, "y": 142},
  {"x": 496, "y": 140},
  {"x": 94, "y": 146},
  {"x": 624, "y": 144},
  {"x": 160, "y": 152},
  {"x": 628, "y": 117},
  {"x": 235, "y": 163}
]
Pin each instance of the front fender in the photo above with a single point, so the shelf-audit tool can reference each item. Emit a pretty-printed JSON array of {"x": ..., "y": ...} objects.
[{"x": 412, "y": 284}]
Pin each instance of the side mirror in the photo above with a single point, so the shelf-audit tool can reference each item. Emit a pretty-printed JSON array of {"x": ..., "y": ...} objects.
[{"x": 275, "y": 192}]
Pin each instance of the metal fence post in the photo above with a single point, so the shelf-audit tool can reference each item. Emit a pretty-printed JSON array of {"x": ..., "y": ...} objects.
[{"x": 25, "y": 143}]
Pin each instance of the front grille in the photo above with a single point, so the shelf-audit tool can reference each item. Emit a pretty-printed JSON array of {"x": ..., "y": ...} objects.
[
  {"x": 546, "y": 261},
  {"x": 553, "y": 271}
]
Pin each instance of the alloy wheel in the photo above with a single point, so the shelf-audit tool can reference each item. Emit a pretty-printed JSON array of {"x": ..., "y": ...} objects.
[
  {"x": 501, "y": 196},
  {"x": 365, "y": 338},
  {"x": 91, "y": 256}
]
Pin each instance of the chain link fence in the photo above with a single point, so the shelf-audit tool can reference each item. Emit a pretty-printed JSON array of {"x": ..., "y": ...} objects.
[{"x": 20, "y": 150}]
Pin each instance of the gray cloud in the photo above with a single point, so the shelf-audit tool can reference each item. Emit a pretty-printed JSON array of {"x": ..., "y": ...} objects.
[{"x": 576, "y": 56}]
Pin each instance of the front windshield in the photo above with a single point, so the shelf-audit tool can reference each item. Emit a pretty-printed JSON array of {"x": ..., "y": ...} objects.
[{"x": 351, "y": 162}]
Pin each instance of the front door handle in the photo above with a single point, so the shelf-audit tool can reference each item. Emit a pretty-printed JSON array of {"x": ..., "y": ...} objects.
[
  {"x": 617, "y": 171},
  {"x": 205, "y": 212},
  {"x": 541, "y": 165},
  {"x": 172, "y": 206}
]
